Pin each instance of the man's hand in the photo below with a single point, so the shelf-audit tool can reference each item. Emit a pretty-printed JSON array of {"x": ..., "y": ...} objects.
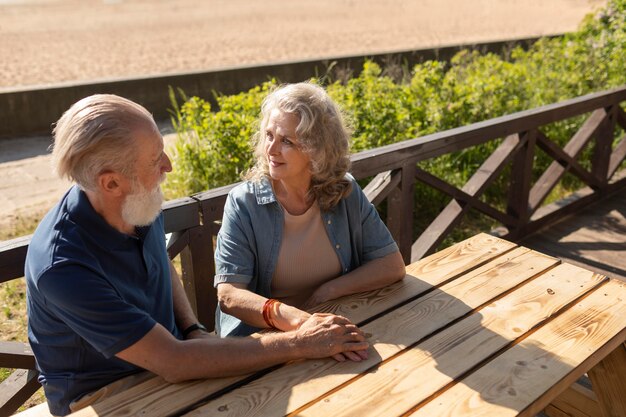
[{"x": 324, "y": 335}]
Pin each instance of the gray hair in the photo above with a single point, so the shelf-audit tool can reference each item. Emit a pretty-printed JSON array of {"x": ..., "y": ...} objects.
[
  {"x": 95, "y": 136},
  {"x": 321, "y": 133}
]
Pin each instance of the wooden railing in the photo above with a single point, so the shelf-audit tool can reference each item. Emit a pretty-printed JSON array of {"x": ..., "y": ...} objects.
[{"x": 194, "y": 221}]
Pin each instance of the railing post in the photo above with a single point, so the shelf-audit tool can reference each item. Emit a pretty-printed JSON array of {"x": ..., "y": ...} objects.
[
  {"x": 602, "y": 151},
  {"x": 519, "y": 190},
  {"x": 400, "y": 206},
  {"x": 198, "y": 268}
]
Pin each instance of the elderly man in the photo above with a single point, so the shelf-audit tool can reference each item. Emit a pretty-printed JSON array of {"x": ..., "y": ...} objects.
[{"x": 104, "y": 302}]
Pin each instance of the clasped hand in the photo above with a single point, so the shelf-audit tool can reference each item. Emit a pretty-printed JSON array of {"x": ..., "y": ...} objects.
[{"x": 324, "y": 335}]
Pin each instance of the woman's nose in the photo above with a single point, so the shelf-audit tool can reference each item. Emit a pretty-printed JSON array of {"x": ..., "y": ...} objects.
[{"x": 273, "y": 147}]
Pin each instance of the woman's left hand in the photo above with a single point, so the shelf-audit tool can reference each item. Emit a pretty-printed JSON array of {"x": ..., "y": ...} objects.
[{"x": 319, "y": 296}]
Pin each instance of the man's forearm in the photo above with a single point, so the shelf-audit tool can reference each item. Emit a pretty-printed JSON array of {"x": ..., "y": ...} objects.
[
  {"x": 322, "y": 335},
  {"x": 213, "y": 357}
]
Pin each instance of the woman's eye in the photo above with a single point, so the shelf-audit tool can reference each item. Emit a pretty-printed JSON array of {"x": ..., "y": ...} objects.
[
  {"x": 287, "y": 141},
  {"x": 269, "y": 136}
]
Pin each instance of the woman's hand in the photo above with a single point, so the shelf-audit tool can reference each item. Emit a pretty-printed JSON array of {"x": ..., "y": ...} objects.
[
  {"x": 370, "y": 276},
  {"x": 319, "y": 296}
]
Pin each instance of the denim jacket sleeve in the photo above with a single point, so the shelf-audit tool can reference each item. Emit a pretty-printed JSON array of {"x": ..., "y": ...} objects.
[
  {"x": 235, "y": 252},
  {"x": 247, "y": 247},
  {"x": 376, "y": 239}
]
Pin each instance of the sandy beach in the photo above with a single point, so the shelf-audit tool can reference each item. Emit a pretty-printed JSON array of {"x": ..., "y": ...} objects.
[
  {"x": 54, "y": 41},
  {"x": 51, "y": 41}
]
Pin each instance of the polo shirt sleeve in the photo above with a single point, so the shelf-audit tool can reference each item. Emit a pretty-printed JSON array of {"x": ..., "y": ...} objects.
[
  {"x": 234, "y": 257},
  {"x": 92, "y": 308},
  {"x": 377, "y": 240}
]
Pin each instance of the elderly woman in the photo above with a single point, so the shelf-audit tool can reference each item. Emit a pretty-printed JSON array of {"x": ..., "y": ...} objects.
[{"x": 299, "y": 231}]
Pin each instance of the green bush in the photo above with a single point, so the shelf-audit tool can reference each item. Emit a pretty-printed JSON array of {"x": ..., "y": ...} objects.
[
  {"x": 214, "y": 144},
  {"x": 213, "y": 147}
]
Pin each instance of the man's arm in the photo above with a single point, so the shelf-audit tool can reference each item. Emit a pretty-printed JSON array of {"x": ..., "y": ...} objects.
[{"x": 322, "y": 335}]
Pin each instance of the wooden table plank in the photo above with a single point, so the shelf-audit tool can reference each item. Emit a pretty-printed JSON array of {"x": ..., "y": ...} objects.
[
  {"x": 291, "y": 387},
  {"x": 159, "y": 398},
  {"x": 543, "y": 364},
  {"x": 432, "y": 271},
  {"x": 462, "y": 257},
  {"x": 450, "y": 320},
  {"x": 397, "y": 385}
]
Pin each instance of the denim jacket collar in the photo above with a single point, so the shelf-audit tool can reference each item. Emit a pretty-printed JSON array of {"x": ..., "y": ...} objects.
[{"x": 264, "y": 192}]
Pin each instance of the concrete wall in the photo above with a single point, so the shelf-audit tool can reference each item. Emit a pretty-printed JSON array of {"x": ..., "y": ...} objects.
[{"x": 28, "y": 111}]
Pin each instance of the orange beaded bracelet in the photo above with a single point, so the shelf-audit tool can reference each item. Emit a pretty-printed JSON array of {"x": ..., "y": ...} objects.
[{"x": 267, "y": 312}]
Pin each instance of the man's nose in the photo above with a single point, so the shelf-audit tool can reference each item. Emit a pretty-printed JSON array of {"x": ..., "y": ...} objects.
[{"x": 166, "y": 165}]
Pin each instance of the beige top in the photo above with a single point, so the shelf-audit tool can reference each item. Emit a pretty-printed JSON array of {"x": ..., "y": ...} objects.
[{"x": 306, "y": 258}]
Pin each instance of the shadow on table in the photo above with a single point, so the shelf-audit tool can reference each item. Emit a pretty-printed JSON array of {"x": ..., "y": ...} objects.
[
  {"x": 447, "y": 340},
  {"x": 452, "y": 348},
  {"x": 422, "y": 345}
]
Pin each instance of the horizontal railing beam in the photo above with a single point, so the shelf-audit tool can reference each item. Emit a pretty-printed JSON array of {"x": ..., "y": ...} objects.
[
  {"x": 385, "y": 158},
  {"x": 16, "y": 355},
  {"x": 12, "y": 256}
]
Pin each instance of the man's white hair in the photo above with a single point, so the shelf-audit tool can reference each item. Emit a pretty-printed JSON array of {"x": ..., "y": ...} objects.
[{"x": 96, "y": 136}]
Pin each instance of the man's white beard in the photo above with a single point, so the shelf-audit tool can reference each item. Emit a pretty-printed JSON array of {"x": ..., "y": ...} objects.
[{"x": 142, "y": 206}]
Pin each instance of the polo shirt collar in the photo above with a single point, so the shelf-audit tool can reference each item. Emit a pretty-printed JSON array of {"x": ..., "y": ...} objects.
[
  {"x": 264, "y": 192},
  {"x": 82, "y": 212}
]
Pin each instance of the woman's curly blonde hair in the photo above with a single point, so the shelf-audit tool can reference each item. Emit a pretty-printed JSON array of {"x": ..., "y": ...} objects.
[{"x": 322, "y": 134}]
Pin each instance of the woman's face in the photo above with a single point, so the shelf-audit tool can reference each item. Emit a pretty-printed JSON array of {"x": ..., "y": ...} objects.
[{"x": 287, "y": 163}]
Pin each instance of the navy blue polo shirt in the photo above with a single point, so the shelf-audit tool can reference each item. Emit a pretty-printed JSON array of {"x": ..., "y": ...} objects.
[{"x": 91, "y": 293}]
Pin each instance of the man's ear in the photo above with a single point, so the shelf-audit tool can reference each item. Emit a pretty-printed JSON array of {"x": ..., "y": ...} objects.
[{"x": 111, "y": 183}]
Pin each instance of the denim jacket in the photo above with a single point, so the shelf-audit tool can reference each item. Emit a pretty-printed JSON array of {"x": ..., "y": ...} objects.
[{"x": 249, "y": 240}]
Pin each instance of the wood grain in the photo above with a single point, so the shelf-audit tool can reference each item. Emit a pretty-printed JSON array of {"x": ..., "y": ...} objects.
[
  {"x": 293, "y": 386},
  {"x": 422, "y": 276},
  {"x": 524, "y": 379},
  {"x": 462, "y": 257},
  {"x": 156, "y": 397},
  {"x": 161, "y": 398},
  {"x": 607, "y": 378},
  {"x": 399, "y": 384}
]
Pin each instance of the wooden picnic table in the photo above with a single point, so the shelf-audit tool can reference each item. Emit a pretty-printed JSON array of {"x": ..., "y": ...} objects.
[{"x": 484, "y": 327}]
